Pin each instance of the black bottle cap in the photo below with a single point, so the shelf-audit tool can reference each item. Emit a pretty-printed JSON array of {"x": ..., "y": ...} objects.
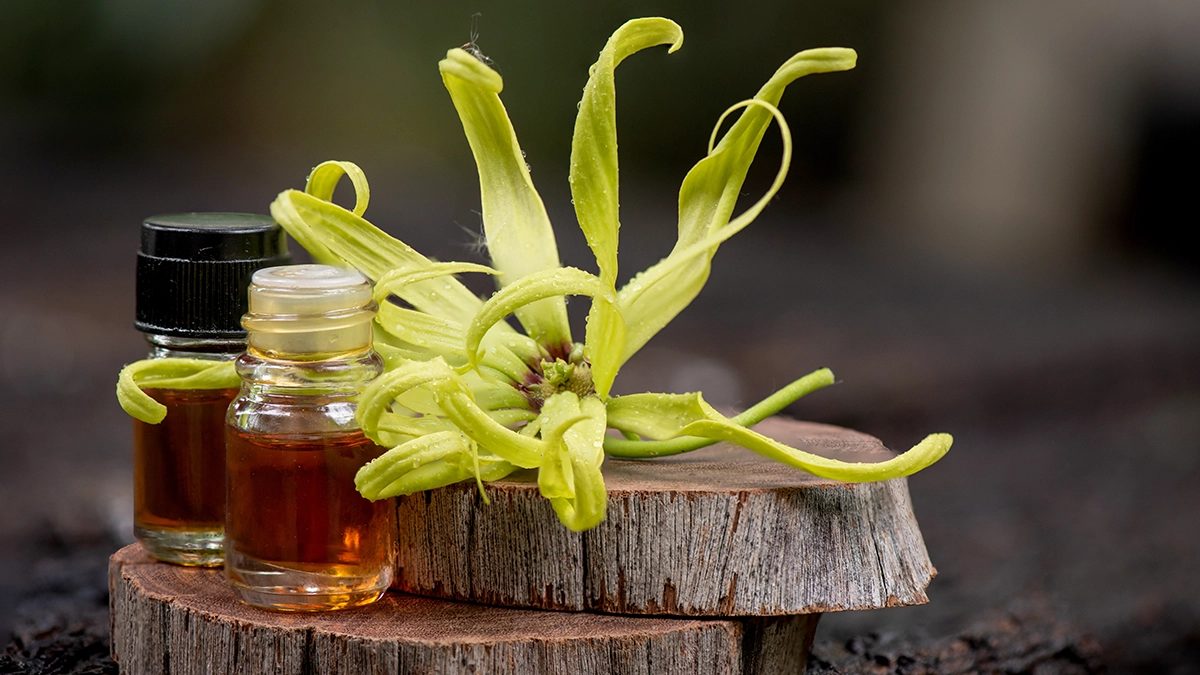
[{"x": 193, "y": 270}]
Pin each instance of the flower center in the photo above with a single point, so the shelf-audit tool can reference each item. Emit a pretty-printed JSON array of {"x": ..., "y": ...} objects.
[{"x": 549, "y": 377}]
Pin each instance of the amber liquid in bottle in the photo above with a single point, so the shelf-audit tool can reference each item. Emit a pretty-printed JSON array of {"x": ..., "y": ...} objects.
[
  {"x": 179, "y": 476},
  {"x": 293, "y": 511}
]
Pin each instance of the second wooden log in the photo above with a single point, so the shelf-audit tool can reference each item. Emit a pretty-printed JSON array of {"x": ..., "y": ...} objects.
[{"x": 170, "y": 620}]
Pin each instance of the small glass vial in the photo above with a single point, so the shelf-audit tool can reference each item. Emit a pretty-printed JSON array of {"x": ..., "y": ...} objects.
[
  {"x": 192, "y": 272},
  {"x": 299, "y": 536}
]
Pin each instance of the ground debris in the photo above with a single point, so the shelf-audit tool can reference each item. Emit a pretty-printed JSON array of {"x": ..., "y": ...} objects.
[
  {"x": 1028, "y": 640},
  {"x": 61, "y": 619}
]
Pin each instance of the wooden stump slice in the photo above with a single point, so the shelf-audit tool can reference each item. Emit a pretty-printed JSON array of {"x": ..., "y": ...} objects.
[
  {"x": 719, "y": 531},
  {"x": 173, "y": 620}
]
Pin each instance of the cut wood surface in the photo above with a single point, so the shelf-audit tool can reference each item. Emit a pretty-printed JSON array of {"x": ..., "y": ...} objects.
[
  {"x": 720, "y": 531},
  {"x": 173, "y": 620}
]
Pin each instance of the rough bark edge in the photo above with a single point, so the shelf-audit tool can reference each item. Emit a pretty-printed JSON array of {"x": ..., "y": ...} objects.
[
  {"x": 173, "y": 621},
  {"x": 814, "y": 546}
]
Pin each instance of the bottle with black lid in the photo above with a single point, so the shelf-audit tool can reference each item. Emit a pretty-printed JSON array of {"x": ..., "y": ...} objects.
[{"x": 193, "y": 270}]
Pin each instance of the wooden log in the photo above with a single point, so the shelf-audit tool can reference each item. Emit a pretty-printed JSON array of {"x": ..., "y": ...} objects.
[
  {"x": 169, "y": 620},
  {"x": 720, "y": 531}
]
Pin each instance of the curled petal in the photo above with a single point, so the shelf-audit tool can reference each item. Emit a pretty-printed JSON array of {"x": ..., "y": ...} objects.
[
  {"x": 324, "y": 177},
  {"x": 706, "y": 201},
  {"x": 652, "y": 298},
  {"x": 169, "y": 374},
  {"x": 377, "y": 397},
  {"x": 606, "y": 326}
]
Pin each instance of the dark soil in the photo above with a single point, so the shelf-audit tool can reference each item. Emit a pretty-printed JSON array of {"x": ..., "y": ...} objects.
[{"x": 61, "y": 616}]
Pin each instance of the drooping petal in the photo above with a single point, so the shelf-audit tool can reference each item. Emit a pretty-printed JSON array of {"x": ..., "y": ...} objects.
[
  {"x": 605, "y": 341},
  {"x": 169, "y": 374},
  {"x": 519, "y": 236},
  {"x": 657, "y": 416},
  {"x": 377, "y": 397},
  {"x": 492, "y": 436},
  {"x": 373, "y": 479},
  {"x": 663, "y": 415},
  {"x": 918, "y": 457},
  {"x": 594, "y": 172},
  {"x": 570, "y": 476},
  {"x": 689, "y": 415},
  {"x": 706, "y": 201}
]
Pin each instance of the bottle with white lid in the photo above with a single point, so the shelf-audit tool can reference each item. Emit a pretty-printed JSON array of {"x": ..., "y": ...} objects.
[{"x": 298, "y": 536}]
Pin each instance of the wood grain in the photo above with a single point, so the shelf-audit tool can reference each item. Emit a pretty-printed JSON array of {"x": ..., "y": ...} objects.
[
  {"x": 720, "y": 531},
  {"x": 172, "y": 620}
]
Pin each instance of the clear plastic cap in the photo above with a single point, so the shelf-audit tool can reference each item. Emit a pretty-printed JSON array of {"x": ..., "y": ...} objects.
[{"x": 308, "y": 310}]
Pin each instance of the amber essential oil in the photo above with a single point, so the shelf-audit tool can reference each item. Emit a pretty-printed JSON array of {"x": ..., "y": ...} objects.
[
  {"x": 193, "y": 270},
  {"x": 294, "y": 515},
  {"x": 179, "y": 476}
]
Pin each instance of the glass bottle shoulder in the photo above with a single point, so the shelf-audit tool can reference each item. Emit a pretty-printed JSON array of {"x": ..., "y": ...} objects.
[{"x": 301, "y": 400}]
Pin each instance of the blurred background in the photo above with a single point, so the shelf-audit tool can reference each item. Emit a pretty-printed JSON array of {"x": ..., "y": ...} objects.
[{"x": 983, "y": 232}]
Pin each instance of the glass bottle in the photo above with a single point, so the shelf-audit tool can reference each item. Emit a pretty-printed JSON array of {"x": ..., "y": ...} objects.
[
  {"x": 299, "y": 536},
  {"x": 192, "y": 272}
]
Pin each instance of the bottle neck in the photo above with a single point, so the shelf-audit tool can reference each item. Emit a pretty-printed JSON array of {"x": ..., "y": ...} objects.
[
  {"x": 216, "y": 349},
  {"x": 339, "y": 374}
]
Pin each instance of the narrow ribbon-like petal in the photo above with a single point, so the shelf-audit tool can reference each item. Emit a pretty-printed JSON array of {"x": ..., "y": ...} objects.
[
  {"x": 394, "y": 280},
  {"x": 918, "y": 457},
  {"x": 706, "y": 201},
  {"x": 519, "y": 236},
  {"x": 594, "y": 169},
  {"x": 351, "y": 240},
  {"x": 378, "y": 396},
  {"x": 664, "y": 415}
]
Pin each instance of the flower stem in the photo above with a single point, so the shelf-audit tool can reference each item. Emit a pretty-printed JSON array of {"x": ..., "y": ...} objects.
[{"x": 770, "y": 405}]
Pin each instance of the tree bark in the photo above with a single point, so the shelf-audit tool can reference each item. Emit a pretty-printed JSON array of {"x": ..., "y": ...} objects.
[
  {"x": 169, "y": 620},
  {"x": 720, "y": 531}
]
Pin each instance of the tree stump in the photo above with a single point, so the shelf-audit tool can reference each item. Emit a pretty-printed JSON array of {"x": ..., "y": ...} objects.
[
  {"x": 719, "y": 531},
  {"x": 173, "y": 620}
]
